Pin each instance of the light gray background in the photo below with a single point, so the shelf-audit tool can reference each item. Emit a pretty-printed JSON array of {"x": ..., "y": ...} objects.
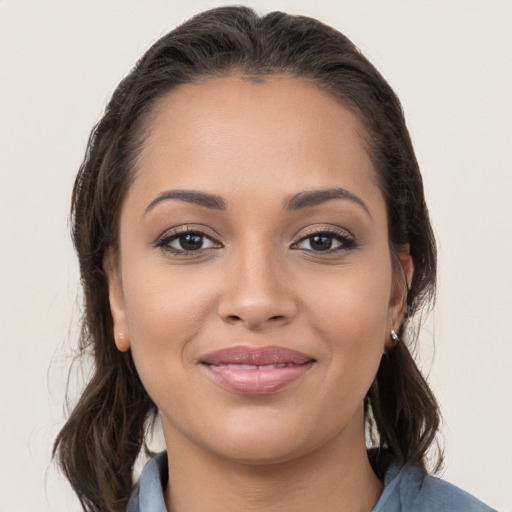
[{"x": 449, "y": 62}]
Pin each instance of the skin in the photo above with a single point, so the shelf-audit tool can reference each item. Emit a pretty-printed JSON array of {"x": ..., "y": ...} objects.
[{"x": 258, "y": 282}]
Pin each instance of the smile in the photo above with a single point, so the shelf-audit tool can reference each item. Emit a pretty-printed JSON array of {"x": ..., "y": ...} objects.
[{"x": 260, "y": 371}]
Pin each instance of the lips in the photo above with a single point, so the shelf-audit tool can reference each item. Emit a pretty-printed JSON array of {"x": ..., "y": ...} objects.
[{"x": 258, "y": 371}]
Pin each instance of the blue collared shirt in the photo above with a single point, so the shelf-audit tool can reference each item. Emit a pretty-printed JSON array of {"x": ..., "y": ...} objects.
[{"x": 407, "y": 489}]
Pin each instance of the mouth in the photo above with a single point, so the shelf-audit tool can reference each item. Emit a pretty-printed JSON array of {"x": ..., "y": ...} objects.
[{"x": 258, "y": 371}]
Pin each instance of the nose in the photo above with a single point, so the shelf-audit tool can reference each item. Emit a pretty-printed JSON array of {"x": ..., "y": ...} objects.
[{"x": 256, "y": 293}]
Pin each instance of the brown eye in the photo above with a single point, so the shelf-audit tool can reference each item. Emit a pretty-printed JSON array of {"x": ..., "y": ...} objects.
[
  {"x": 186, "y": 242},
  {"x": 320, "y": 242},
  {"x": 189, "y": 242},
  {"x": 325, "y": 241}
]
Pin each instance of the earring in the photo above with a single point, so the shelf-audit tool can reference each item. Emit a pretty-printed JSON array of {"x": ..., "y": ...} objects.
[{"x": 394, "y": 337}]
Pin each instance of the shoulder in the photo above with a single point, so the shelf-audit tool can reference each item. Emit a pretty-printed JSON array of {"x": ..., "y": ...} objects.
[
  {"x": 148, "y": 494},
  {"x": 407, "y": 489},
  {"x": 411, "y": 489}
]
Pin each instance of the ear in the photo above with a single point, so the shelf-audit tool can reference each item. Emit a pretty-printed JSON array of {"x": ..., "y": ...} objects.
[
  {"x": 112, "y": 270},
  {"x": 403, "y": 270}
]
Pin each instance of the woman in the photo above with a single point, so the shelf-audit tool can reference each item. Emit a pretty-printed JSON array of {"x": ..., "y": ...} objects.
[{"x": 253, "y": 243}]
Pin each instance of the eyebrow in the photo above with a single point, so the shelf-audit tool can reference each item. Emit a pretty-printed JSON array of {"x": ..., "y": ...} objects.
[
  {"x": 189, "y": 196},
  {"x": 296, "y": 202},
  {"x": 316, "y": 197}
]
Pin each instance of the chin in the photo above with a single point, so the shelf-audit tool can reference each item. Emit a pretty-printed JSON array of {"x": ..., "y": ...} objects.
[
  {"x": 263, "y": 450},
  {"x": 269, "y": 439}
]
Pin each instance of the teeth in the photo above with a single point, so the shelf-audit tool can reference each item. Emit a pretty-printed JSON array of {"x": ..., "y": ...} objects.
[{"x": 243, "y": 366}]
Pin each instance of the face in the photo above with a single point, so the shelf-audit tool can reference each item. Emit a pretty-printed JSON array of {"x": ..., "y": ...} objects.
[{"x": 254, "y": 283}]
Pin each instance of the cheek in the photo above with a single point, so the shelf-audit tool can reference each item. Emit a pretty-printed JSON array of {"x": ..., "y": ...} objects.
[
  {"x": 166, "y": 301},
  {"x": 355, "y": 300},
  {"x": 351, "y": 314},
  {"x": 166, "y": 309}
]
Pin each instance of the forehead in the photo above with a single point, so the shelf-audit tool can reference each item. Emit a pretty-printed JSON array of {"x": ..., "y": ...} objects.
[{"x": 270, "y": 134}]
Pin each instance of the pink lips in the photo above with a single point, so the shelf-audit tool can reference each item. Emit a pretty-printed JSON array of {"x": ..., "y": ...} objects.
[{"x": 259, "y": 371}]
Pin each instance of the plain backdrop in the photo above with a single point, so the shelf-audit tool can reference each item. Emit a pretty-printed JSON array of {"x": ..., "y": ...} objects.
[{"x": 448, "y": 61}]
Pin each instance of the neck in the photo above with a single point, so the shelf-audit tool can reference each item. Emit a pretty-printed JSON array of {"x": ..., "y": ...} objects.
[{"x": 336, "y": 477}]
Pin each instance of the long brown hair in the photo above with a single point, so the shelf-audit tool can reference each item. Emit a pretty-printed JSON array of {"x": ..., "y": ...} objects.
[{"x": 105, "y": 432}]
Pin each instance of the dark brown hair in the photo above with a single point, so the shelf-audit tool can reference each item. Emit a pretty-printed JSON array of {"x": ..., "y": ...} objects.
[{"x": 105, "y": 432}]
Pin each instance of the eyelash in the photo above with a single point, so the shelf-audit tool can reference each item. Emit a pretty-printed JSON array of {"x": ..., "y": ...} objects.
[
  {"x": 347, "y": 241},
  {"x": 165, "y": 240}
]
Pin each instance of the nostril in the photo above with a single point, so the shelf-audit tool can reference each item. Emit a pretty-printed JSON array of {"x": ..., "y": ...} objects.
[{"x": 236, "y": 318}]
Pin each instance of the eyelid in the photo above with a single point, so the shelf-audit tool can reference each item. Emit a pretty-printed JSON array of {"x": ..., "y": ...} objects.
[
  {"x": 188, "y": 228},
  {"x": 342, "y": 235},
  {"x": 324, "y": 228},
  {"x": 173, "y": 233}
]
